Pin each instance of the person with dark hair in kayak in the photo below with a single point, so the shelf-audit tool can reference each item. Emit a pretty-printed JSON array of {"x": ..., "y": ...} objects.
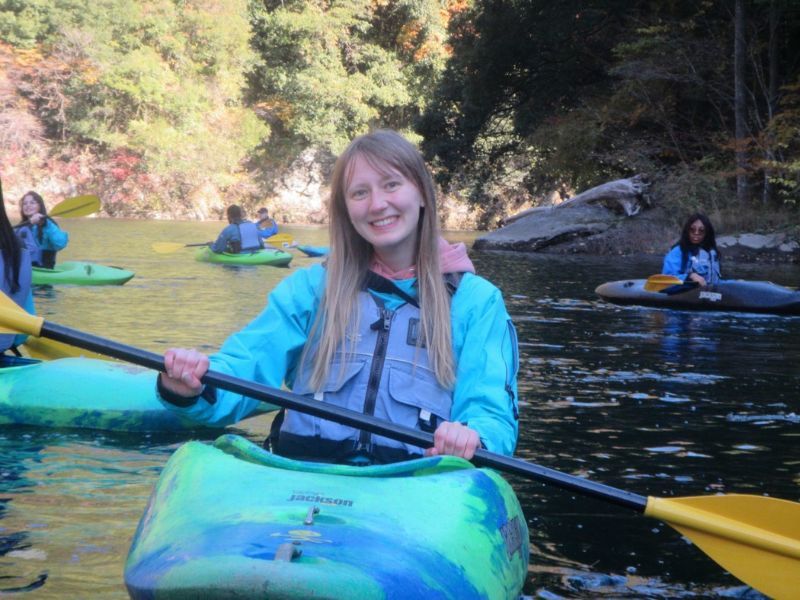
[
  {"x": 395, "y": 324},
  {"x": 695, "y": 256},
  {"x": 38, "y": 232},
  {"x": 267, "y": 227},
  {"x": 240, "y": 235},
  {"x": 15, "y": 272}
]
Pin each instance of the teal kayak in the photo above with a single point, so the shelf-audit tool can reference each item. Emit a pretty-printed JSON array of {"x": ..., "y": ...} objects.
[
  {"x": 81, "y": 273},
  {"x": 83, "y": 393},
  {"x": 234, "y": 521},
  {"x": 267, "y": 256}
]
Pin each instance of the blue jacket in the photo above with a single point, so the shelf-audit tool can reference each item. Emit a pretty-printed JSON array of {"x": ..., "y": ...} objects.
[
  {"x": 53, "y": 239},
  {"x": 704, "y": 263},
  {"x": 268, "y": 351},
  {"x": 23, "y": 296},
  {"x": 244, "y": 234},
  {"x": 268, "y": 231}
]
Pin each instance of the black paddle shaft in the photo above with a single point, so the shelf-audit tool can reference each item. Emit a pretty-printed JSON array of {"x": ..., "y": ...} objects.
[{"x": 348, "y": 417}]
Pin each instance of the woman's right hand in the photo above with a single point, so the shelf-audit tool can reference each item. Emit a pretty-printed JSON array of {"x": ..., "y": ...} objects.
[
  {"x": 183, "y": 369},
  {"x": 698, "y": 278}
]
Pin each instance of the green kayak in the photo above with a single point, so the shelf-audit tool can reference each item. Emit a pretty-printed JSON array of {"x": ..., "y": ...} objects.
[
  {"x": 83, "y": 393},
  {"x": 81, "y": 273},
  {"x": 234, "y": 521},
  {"x": 267, "y": 256}
]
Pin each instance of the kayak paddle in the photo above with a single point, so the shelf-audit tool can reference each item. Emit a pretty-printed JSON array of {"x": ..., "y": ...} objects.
[
  {"x": 656, "y": 283},
  {"x": 79, "y": 206},
  {"x": 755, "y": 538},
  {"x": 279, "y": 239},
  {"x": 170, "y": 247}
]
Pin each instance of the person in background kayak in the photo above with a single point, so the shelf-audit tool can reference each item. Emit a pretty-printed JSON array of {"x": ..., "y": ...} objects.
[
  {"x": 395, "y": 324},
  {"x": 38, "y": 232},
  {"x": 240, "y": 235},
  {"x": 695, "y": 256},
  {"x": 267, "y": 227},
  {"x": 15, "y": 272}
]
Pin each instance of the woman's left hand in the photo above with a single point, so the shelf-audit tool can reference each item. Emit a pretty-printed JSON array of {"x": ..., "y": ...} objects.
[{"x": 455, "y": 439}]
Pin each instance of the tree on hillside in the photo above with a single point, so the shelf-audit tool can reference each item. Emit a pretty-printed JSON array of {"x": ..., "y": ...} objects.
[
  {"x": 158, "y": 81},
  {"x": 540, "y": 96},
  {"x": 330, "y": 70}
]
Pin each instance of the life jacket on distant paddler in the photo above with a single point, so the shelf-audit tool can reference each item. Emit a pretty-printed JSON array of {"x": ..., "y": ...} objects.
[
  {"x": 388, "y": 375},
  {"x": 248, "y": 241}
]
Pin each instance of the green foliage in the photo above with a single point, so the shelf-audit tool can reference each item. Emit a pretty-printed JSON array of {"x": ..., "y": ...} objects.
[
  {"x": 330, "y": 70},
  {"x": 160, "y": 78}
]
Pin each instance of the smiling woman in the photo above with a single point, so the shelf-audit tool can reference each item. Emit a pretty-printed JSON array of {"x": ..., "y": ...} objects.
[{"x": 395, "y": 325}]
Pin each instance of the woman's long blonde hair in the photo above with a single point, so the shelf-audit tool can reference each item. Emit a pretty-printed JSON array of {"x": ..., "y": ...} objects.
[{"x": 350, "y": 256}]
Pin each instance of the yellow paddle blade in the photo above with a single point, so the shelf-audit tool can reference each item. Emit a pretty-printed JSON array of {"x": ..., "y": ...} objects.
[
  {"x": 756, "y": 538},
  {"x": 656, "y": 283},
  {"x": 79, "y": 206},
  {"x": 279, "y": 239},
  {"x": 13, "y": 319},
  {"x": 46, "y": 349},
  {"x": 167, "y": 247}
]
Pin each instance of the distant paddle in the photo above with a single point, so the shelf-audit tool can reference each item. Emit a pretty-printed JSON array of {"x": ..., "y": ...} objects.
[
  {"x": 170, "y": 247},
  {"x": 755, "y": 538},
  {"x": 79, "y": 206},
  {"x": 656, "y": 283},
  {"x": 279, "y": 239}
]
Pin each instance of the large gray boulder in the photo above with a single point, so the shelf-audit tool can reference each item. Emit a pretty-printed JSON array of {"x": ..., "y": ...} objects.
[{"x": 588, "y": 214}]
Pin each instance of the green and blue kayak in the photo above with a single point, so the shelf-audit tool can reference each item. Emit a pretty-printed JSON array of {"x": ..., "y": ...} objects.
[
  {"x": 83, "y": 393},
  {"x": 234, "y": 521},
  {"x": 81, "y": 273},
  {"x": 266, "y": 256}
]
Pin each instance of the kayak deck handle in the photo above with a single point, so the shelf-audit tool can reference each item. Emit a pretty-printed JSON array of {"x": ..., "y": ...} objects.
[
  {"x": 288, "y": 551},
  {"x": 312, "y": 510}
]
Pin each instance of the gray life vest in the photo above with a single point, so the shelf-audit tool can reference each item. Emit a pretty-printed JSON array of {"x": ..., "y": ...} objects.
[
  {"x": 703, "y": 263},
  {"x": 248, "y": 237},
  {"x": 387, "y": 376}
]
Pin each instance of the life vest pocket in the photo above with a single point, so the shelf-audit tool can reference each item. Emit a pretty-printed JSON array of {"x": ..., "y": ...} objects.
[
  {"x": 415, "y": 398},
  {"x": 343, "y": 387}
]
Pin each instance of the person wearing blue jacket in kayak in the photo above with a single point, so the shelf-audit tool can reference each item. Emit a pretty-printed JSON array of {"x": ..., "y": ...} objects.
[
  {"x": 240, "y": 235},
  {"x": 395, "y": 324},
  {"x": 38, "y": 232},
  {"x": 15, "y": 273},
  {"x": 267, "y": 227},
  {"x": 695, "y": 256}
]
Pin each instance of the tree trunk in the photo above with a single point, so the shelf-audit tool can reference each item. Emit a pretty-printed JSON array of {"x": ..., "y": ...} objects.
[
  {"x": 772, "y": 94},
  {"x": 739, "y": 101}
]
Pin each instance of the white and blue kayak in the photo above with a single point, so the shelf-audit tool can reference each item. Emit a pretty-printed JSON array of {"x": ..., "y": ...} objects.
[{"x": 727, "y": 295}]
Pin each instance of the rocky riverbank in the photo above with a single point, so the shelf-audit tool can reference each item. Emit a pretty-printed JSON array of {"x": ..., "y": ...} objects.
[{"x": 622, "y": 222}]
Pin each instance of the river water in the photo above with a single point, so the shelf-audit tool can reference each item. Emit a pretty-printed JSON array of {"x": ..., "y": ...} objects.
[{"x": 657, "y": 402}]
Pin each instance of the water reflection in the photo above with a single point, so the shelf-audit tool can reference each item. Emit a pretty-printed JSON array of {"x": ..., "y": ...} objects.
[{"x": 657, "y": 402}]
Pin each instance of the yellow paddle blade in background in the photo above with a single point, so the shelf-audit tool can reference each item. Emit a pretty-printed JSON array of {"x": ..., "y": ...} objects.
[
  {"x": 79, "y": 206},
  {"x": 167, "y": 247},
  {"x": 656, "y": 283},
  {"x": 755, "y": 538},
  {"x": 279, "y": 239},
  {"x": 14, "y": 319}
]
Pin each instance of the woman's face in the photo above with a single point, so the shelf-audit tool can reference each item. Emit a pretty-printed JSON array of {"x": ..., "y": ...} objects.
[
  {"x": 29, "y": 206},
  {"x": 697, "y": 232},
  {"x": 384, "y": 207}
]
